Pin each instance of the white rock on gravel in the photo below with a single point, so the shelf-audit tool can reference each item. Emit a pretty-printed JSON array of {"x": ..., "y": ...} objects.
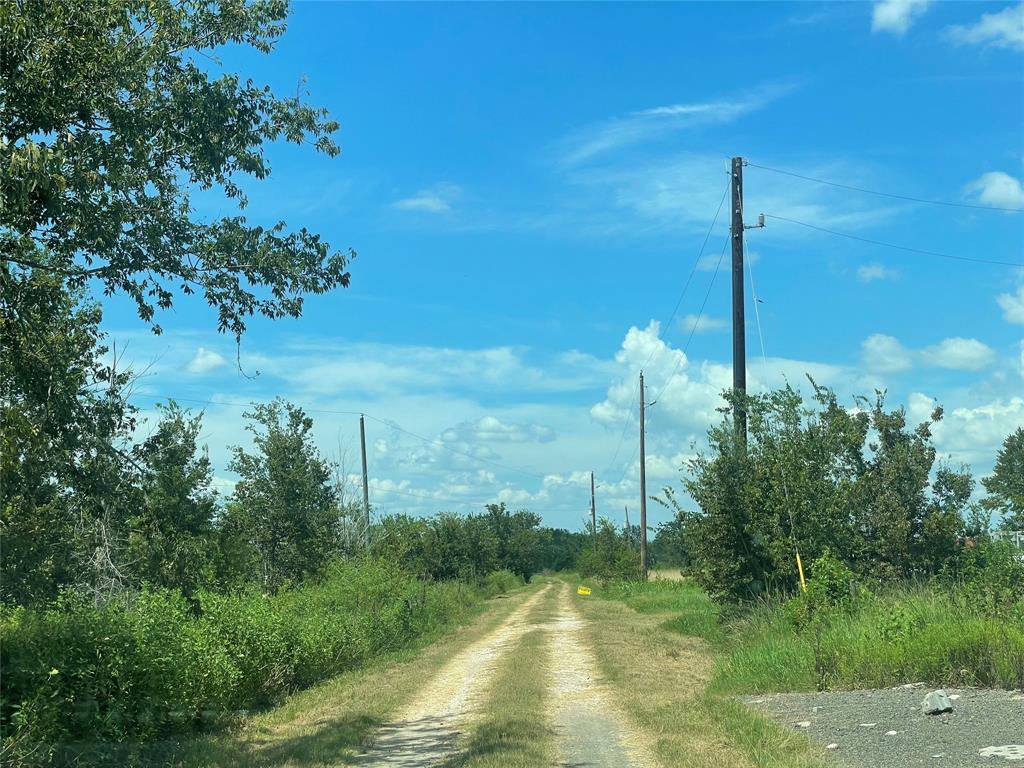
[
  {"x": 868, "y": 725},
  {"x": 833, "y": 745},
  {"x": 892, "y": 733},
  {"x": 936, "y": 702},
  {"x": 803, "y": 724},
  {"x": 1007, "y": 752}
]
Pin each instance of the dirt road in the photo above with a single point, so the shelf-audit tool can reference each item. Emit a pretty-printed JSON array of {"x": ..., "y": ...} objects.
[{"x": 576, "y": 709}]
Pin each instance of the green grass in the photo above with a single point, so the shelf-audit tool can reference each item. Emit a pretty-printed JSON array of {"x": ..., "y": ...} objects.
[
  {"x": 660, "y": 677},
  {"x": 314, "y": 727},
  {"x": 691, "y": 610},
  {"x": 906, "y": 634}
]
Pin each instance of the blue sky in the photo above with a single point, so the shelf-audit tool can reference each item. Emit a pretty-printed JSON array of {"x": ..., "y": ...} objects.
[{"x": 528, "y": 188}]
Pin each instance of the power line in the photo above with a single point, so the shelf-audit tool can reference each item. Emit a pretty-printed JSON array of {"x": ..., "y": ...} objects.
[
  {"x": 886, "y": 194},
  {"x": 386, "y": 422},
  {"x": 893, "y": 245},
  {"x": 675, "y": 310},
  {"x": 696, "y": 324},
  {"x": 686, "y": 346}
]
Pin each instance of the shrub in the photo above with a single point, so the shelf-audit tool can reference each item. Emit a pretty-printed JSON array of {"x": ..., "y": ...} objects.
[{"x": 81, "y": 672}]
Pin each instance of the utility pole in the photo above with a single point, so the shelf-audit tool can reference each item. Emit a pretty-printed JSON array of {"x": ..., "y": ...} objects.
[
  {"x": 627, "y": 517},
  {"x": 366, "y": 479},
  {"x": 593, "y": 508},
  {"x": 739, "y": 338},
  {"x": 643, "y": 485}
]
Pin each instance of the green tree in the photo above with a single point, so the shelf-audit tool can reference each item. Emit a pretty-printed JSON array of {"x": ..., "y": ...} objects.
[
  {"x": 518, "y": 539},
  {"x": 66, "y": 482},
  {"x": 946, "y": 518},
  {"x": 1005, "y": 486},
  {"x": 108, "y": 124},
  {"x": 284, "y": 504},
  {"x": 609, "y": 553},
  {"x": 172, "y": 541}
]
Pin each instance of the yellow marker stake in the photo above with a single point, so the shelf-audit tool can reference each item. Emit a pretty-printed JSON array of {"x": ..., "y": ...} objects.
[
  {"x": 800, "y": 567},
  {"x": 582, "y": 590}
]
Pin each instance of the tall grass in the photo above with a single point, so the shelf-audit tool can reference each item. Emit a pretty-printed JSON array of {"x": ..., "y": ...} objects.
[
  {"x": 158, "y": 664},
  {"x": 935, "y": 633},
  {"x": 908, "y": 634}
]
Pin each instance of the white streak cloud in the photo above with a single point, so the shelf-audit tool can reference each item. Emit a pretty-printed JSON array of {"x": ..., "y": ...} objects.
[
  {"x": 436, "y": 199},
  {"x": 1004, "y": 29}
]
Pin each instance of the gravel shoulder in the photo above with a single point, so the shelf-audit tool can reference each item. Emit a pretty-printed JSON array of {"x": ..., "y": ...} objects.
[{"x": 886, "y": 728}]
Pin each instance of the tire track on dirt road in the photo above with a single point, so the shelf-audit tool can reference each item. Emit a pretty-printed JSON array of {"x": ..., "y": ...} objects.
[
  {"x": 591, "y": 731},
  {"x": 427, "y": 731}
]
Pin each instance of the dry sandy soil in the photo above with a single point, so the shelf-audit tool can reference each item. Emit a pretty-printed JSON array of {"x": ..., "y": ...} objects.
[{"x": 589, "y": 730}]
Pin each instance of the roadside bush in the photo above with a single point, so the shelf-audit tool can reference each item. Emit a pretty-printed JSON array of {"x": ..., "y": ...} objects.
[{"x": 80, "y": 672}]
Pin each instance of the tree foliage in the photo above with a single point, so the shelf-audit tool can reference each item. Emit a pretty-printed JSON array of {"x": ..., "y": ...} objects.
[
  {"x": 284, "y": 505},
  {"x": 66, "y": 481},
  {"x": 171, "y": 542},
  {"x": 449, "y": 546},
  {"x": 855, "y": 481},
  {"x": 1005, "y": 486},
  {"x": 108, "y": 125}
]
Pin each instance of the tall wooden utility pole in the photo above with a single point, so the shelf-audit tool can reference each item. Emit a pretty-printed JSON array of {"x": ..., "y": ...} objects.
[
  {"x": 593, "y": 508},
  {"x": 366, "y": 479},
  {"x": 643, "y": 485},
  {"x": 739, "y": 337}
]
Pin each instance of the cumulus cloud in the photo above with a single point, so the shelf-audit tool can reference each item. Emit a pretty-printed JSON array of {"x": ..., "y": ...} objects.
[
  {"x": 436, "y": 199},
  {"x": 997, "y": 189},
  {"x": 885, "y": 354},
  {"x": 868, "y": 272},
  {"x": 1003, "y": 29},
  {"x": 896, "y": 16},
  {"x": 959, "y": 354},
  {"x": 205, "y": 361},
  {"x": 1012, "y": 305}
]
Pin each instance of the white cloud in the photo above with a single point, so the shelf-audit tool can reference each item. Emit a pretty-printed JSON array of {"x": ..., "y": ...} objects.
[
  {"x": 896, "y": 16},
  {"x": 658, "y": 121},
  {"x": 1004, "y": 29},
  {"x": 885, "y": 354},
  {"x": 1012, "y": 305},
  {"x": 205, "y": 361},
  {"x": 701, "y": 323},
  {"x": 959, "y": 354},
  {"x": 998, "y": 189},
  {"x": 493, "y": 429},
  {"x": 436, "y": 199},
  {"x": 868, "y": 272}
]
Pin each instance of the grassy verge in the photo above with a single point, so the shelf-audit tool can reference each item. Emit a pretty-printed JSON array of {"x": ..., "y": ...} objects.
[
  {"x": 514, "y": 732},
  {"x": 904, "y": 635},
  {"x": 661, "y": 680},
  {"x": 323, "y": 724}
]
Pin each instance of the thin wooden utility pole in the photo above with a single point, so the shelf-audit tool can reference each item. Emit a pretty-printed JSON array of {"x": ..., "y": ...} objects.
[
  {"x": 739, "y": 337},
  {"x": 593, "y": 508},
  {"x": 643, "y": 485},
  {"x": 366, "y": 480}
]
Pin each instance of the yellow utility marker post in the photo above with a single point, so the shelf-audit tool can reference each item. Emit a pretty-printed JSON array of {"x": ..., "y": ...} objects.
[{"x": 581, "y": 590}]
